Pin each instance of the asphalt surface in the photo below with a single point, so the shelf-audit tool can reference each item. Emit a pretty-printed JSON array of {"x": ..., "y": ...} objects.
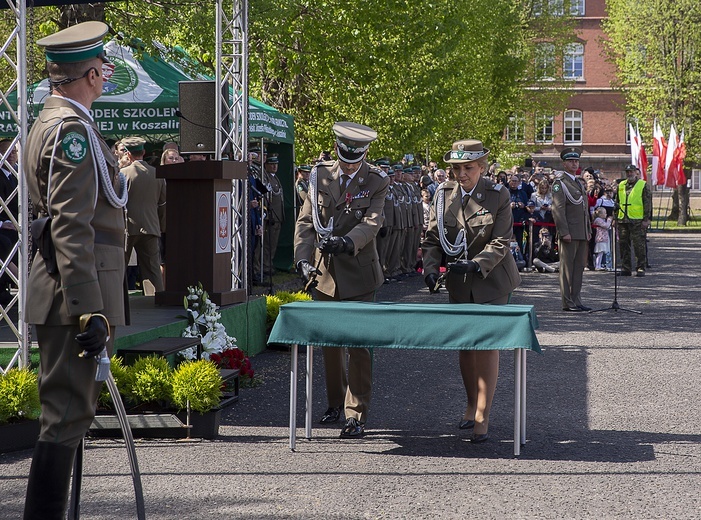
[{"x": 613, "y": 425}]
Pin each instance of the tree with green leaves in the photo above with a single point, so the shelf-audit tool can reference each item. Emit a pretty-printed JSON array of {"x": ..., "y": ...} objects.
[
  {"x": 654, "y": 44},
  {"x": 421, "y": 72}
]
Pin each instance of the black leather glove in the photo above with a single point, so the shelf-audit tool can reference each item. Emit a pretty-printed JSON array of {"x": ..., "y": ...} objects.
[
  {"x": 383, "y": 232},
  {"x": 432, "y": 282},
  {"x": 463, "y": 267},
  {"x": 94, "y": 338},
  {"x": 337, "y": 245},
  {"x": 306, "y": 270}
]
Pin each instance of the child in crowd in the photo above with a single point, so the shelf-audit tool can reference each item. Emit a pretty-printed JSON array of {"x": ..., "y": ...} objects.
[
  {"x": 602, "y": 223},
  {"x": 605, "y": 201}
]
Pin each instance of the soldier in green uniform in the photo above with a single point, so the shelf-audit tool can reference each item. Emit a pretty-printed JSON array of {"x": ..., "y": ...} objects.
[
  {"x": 394, "y": 248},
  {"x": 302, "y": 183},
  {"x": 385, "y": 236},
  {"x": 335, "y": 240},
  {"x": 78, "y": 274},
  {"x": 471, "y": 222},
  {"x": 274, "y": 212},
  {"x": 571, "y": 214},
  {"x": 632, "y": 213}
]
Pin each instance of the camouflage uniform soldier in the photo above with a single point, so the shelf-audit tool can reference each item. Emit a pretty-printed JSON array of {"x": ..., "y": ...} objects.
[{"x": 633, "y": 212}]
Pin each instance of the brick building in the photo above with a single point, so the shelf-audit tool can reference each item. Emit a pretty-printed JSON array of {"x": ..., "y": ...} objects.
[{"x": 595, "y": 118}]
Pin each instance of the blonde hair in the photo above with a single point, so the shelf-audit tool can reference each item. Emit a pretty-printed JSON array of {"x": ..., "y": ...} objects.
[{"x": 600, "y": 212}]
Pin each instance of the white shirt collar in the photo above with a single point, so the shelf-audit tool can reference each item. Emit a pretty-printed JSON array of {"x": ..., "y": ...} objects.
[{"x": 79, "y": 105}]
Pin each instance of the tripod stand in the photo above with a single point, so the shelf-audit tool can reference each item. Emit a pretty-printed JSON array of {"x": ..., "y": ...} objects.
[{"x": 614, "y": 305}]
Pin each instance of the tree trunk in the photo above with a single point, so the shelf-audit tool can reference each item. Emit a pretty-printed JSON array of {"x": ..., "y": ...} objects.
[
  {"x": 674, "y": 214},
  {"x": 683, "y": 217},
  {"x": 77, "y": 13}
]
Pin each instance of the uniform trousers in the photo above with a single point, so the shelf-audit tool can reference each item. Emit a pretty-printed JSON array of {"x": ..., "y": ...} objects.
[
  {"x": 268, "y": 248},
  {"x": 67, "y": 388},
  {"x": 395, "y": 255},
  {"x": 408, "y": 251},
  {"x": 148, "y": 256},
  {"x": 383, "y": 244},
  {"x": 632, "y": 232},
  {"x": 348, "y": 374},
  {"x": 573, "y": 260}
]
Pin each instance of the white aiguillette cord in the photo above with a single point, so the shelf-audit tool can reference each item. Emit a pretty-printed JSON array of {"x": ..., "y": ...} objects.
[{"x": 322, "y": 231}]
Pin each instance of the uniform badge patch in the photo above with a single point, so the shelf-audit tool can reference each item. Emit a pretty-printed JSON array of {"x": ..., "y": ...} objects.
[
  {"x": 358, "y": 214},
  {"x": 556, "y": 187},
  {"x": 75, "y": 146}
]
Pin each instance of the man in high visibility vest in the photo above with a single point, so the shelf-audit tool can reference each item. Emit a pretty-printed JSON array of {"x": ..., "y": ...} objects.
[{"x": 633, "y": 211}]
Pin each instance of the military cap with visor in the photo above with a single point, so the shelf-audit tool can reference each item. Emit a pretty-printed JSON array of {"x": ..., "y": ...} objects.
[
  {"x": 77, "y": 43},
  {"x": 272, "y": 159},
  {"x": 352, "y": 141},
  {"x": 466, "y": 151},
  {"x": 134, "y": 144},
  {"x": 570, "y": 153},
  {"x": 632, "y": 168},
  {"x": 304, "y": 168}
]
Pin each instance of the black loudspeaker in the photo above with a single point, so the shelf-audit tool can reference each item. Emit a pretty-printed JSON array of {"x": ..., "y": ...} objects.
[
  {"x": 198, "y": 125},
  {"x": 528, "y": 163}
]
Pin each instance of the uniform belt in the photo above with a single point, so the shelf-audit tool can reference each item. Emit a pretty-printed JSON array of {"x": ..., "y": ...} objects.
[{"x": 109, "y": 238}]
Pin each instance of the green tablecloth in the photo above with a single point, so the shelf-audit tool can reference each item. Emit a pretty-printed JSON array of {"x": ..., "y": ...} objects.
[{"x": 407, "y": 325}]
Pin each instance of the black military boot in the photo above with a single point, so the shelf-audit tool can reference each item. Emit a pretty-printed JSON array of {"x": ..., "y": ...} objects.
[{"x": 49, "y": 482}]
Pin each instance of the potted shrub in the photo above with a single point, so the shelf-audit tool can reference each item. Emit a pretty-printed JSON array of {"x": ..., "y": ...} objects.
[
  {"x": 197, "y": 384},
  {"x": 19, "y": 410}
]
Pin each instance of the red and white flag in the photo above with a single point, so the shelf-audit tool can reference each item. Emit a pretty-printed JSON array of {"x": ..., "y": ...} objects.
[
  {"x": 670, "y": 179},
  {"x": 638, "y": 157},
  {"x": 678, "y": 161},
  {"x": 642, "y": 157},
  {"x": 659, "y": 151}
]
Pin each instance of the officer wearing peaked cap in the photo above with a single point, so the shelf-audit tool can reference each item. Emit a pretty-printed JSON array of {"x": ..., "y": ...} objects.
[
  {"x": 485, "y": 273},
  {"x": 343, "y": 215},
  {"x": 274, "y": 213},
  {"x": 77, "y": 276},
  {"x": 571, "y": 214},
  {"x": 146, "y": 210}
]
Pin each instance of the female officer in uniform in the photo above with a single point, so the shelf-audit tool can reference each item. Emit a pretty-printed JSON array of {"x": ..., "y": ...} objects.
[{"x": 471, "y": 222}]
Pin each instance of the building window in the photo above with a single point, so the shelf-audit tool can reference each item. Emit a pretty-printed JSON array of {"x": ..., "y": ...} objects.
[
  {"x": 573, "y": 62},
  {"x": 577, "y": 7},
  {"x": 544, "y": 128},
  {"x": 573, "y": 127},
  {"x": 557, "y": 7},
  {"x": 515, "y": 131},
  {"x": 695, "y": 180},
  {"x": 545, "y": 61}
]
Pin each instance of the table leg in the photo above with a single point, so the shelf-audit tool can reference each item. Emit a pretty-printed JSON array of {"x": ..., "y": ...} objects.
[
  {"x": 310, "y": 378},
  {"x": 517, "y": 402},
  {"x": 524, "y": 355},
  {"x": 293, "y": 397}
]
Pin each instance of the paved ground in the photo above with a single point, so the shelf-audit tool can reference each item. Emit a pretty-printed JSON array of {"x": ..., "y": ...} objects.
[{"x": 613, "y": 426}]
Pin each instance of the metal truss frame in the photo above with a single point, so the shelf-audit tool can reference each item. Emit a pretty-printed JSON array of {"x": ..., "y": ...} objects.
[
  {"x": 13, "y": 51},
  {"x": 232, "y": 117}
]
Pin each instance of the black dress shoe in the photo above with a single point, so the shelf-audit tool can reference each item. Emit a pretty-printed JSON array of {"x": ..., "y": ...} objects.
[
  {"x": 572, "y": 309},
  {"x": 467, "y": 425},
  {"x": 332, "y": 415},
  {"x": 479, "y": 437},
  {"x": 584, "y": 308},
  {"x": 625, "y": 272},
  {"x": 352, "y": 429}
]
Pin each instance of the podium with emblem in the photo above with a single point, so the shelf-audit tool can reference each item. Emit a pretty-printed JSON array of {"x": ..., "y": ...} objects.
[{"x": 198, "y": 230}]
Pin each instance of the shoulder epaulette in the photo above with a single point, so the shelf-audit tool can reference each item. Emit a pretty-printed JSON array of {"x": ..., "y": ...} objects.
[{"x": 378, "y": 171}]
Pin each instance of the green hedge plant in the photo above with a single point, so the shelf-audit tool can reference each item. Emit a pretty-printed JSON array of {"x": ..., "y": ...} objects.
[
  {"x": 19, "y": 395},
  {"x": 200, "y": 383}
]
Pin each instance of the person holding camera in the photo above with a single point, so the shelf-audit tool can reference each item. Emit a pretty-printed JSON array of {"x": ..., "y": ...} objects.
[
  {"x": 336, "y": 251},
  {"x": 484, "y": 273}
]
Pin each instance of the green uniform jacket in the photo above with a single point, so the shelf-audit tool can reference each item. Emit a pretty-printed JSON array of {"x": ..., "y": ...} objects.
[
  {"x": 346, "y": 275},
  {"x": 90, "y": 270},
  {"x": 147, "y": 200},
  {"x": 570, "y": 218},
  {"x": 488, "y": 209}
]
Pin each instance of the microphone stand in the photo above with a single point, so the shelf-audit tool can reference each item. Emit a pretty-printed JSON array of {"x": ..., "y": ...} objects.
[{"x": 614, "y": 305}]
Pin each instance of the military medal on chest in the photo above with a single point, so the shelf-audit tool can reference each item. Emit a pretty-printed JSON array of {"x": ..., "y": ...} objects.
[{"x": 349, "y": 199}]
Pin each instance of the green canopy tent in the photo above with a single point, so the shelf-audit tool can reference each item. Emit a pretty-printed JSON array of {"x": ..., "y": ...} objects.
[{"x": 140, "y": 97}]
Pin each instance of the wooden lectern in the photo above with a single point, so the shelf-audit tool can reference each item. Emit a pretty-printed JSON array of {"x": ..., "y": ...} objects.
[{"x": 196, "y": 244}]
